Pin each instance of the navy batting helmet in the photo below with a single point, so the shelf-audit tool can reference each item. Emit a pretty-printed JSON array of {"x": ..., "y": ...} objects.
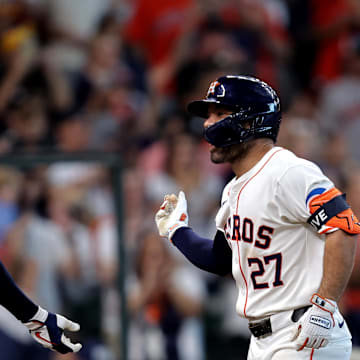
[{"x": 253, "y": 103}]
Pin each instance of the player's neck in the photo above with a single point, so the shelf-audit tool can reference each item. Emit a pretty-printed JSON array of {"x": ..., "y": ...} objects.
[{"x": 244, "y": 164}]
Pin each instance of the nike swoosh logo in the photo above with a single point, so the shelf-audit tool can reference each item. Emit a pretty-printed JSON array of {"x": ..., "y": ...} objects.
[
  {"x": 37, "y": 334},
  {"x": 341, "y": 324}
]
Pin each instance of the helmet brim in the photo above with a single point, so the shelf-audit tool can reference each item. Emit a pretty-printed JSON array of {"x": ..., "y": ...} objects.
[{"x": 201, "y": 107}]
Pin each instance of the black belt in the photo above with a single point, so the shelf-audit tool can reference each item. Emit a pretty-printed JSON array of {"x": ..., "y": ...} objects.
[{"x": 263, "y": 327}]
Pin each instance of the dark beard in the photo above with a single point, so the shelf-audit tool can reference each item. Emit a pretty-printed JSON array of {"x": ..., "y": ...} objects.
[{"x": 230, "y": 153}]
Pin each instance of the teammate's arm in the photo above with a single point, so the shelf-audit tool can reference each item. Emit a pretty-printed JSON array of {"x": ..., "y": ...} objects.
[
  {"x": 339, "y": 257},
  {"x": 13, "y": 299},
  {"x": 210, "y": 255},
  {"x": 46, "y": 328}
]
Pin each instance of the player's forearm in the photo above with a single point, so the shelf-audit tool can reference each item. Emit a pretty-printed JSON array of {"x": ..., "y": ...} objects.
[
  {"x": 13, "y": 299},
  {"x": 339, "y": 257},
  {"x": 210, "y": 255}
]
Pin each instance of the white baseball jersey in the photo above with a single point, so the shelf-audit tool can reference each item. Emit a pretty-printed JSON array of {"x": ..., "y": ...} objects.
[{"x": 277, "y": 257}]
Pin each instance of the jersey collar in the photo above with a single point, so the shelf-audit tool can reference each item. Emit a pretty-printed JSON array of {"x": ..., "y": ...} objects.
[{"x": 244, "y": 177}]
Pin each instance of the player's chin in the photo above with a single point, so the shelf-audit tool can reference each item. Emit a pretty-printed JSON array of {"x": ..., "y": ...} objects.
[
  {"x": 217, "y": 155},
  {"x": 229, "y": 154}
]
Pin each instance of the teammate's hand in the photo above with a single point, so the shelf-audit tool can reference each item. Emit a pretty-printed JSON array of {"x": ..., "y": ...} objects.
[
  {"x": 172, "y": 215},
  {"x": 314, "y": 327},
  {"x": 48, "y": 330}
]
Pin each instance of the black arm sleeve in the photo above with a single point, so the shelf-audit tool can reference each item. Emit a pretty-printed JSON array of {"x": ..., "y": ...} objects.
[
  {"x": 13, "y": 299},
  {"x": 214, "y": 256}
]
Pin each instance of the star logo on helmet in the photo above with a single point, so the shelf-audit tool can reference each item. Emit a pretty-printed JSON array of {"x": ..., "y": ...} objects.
[{"x": 216, "y": 89}]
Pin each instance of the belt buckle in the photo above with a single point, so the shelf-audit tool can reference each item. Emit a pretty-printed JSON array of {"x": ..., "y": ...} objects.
[{"x": 261, "y": 329}]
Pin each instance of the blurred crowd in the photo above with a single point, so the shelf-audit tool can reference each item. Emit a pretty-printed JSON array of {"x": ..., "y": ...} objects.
[{"x": 115, "y": 76}]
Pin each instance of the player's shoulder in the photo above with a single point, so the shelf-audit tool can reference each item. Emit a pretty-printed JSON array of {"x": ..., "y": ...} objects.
[
  {"x": 294, "y": 169},
  {"x": 288, "y": 162}
]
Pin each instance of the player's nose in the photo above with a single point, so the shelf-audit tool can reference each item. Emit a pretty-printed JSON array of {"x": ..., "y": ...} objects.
[{"x": 211, "y": 120}]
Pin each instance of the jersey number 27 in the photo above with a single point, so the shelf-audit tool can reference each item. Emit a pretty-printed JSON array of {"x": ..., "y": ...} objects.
[{"x": 277, "y": 259}]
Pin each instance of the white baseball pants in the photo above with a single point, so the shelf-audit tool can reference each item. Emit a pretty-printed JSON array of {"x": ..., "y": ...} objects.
[{"x": 278, "y": 346}]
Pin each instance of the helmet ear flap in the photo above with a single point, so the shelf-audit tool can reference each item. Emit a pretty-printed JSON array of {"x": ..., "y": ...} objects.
[
  {"x": 234, "y": 129},
  {"x": 228, "y": 131},
  {"x": 221, "y": 133}
]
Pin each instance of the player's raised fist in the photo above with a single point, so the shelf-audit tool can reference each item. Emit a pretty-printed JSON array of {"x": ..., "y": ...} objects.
[{"x": 172, "y": 214}]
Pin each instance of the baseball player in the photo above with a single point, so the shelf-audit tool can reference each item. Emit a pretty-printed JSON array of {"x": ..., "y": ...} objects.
[
  {"x": 284, "y": 231},
  {"x": 46, "y": 328}
]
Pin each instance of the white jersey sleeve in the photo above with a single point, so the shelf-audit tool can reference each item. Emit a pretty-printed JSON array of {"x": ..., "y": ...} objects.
[{"x": 296, "y": 189}]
